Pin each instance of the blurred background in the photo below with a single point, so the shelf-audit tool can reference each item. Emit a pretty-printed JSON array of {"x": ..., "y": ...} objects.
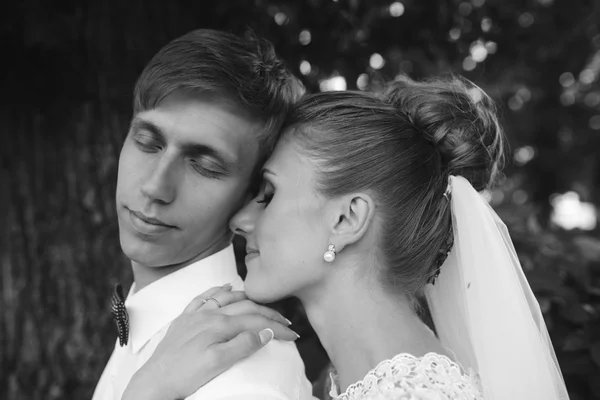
[{"x": 66, "y": 92}]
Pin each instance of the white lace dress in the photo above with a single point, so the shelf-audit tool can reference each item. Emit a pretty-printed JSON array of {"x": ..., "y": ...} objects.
[{"x": 406, "y": 377}]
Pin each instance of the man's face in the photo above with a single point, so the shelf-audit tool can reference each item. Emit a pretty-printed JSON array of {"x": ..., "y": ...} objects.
[{"x": 184, "y": 170}]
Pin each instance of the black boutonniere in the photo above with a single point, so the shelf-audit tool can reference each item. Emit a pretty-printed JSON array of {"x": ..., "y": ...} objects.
[{"x": 120, "y": 316}]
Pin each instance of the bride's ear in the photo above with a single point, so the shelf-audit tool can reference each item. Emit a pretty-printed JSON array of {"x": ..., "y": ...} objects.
[{"x": 350, "y": 217}]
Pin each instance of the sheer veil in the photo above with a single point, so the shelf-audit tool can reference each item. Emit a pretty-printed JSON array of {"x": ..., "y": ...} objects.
[{"x": 484, "y": 310}]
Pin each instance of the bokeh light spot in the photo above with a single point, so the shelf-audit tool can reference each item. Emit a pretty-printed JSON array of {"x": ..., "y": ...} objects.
[
  {"x": 361, "y": 35},
  {"x": 396, "y": 9},
  {"x": 454, "y": 34},
  {"x": 519, "y": 196},
  {"x": 304, "y": 37},
  {"x": 478, "y": 52},
  {"x": 491, "y": 47},
  {"x": 587, "y": 76},
  {"x": 526, "y": 19},
  {"x": 486, "y": 24},
  {"x": 376, "y": 61},
  {"x": 566, "y": 79},
  {"x": 280, "y": 18},
  {"x": 305, "y": 67},
  {"x": 592, "y": 99},
  {"x": 335, "y": 83},
  {"x": 523, "y": 155},
  {"x": 362, "y": 82},
  {"x": 469, "y": 64},
  {"x": 515, "y": 103},
  {"x": 524, "y": 93},
  {"x": 465, "y": 9},
  {"x": 569, "y": 212}
]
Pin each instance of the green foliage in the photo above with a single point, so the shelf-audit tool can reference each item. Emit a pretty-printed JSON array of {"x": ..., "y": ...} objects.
[{"x": 69, "y": 70}]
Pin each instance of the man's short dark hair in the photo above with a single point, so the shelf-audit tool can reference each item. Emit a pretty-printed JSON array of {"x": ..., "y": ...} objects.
[{"x": 244, "y": 71}]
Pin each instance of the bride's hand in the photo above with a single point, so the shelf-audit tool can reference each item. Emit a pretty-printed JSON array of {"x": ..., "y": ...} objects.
[{"x": 205, "y": 340}]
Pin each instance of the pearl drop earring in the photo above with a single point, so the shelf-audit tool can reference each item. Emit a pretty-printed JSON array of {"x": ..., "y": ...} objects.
[{"x": 329, "y": 255}]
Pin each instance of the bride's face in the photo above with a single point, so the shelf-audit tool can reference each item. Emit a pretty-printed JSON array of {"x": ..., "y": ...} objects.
[{"x": 284, "y": 228}]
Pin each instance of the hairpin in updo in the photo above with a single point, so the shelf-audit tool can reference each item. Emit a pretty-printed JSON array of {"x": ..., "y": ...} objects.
[
  {"x": 448, "y": 191},
  {"x": 444, "y": 252}
]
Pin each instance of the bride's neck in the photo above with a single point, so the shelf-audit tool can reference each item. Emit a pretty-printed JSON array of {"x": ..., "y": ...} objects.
[{"x": 360, "y": 324}]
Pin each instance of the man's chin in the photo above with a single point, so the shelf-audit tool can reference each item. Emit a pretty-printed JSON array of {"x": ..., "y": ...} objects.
[
  {"x": 146, "y": 254},
  {"x": 146, "y": 260}
]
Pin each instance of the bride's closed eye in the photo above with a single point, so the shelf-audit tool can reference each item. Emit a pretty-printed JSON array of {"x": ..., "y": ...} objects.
[
  {"x": 265, "y": 198},
  {"x": 266, "y": 193}
]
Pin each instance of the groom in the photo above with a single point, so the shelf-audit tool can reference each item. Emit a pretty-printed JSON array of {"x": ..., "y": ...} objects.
[{"x": 207, "y": 111}]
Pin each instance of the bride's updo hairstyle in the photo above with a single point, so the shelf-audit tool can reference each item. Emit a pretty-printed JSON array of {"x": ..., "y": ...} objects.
[{"x": 401, "y": 147}]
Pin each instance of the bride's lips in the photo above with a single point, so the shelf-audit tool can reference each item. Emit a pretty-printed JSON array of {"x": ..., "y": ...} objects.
[
  {"x": 148, "y": 225},
  {"x": 251, "y": 253}
]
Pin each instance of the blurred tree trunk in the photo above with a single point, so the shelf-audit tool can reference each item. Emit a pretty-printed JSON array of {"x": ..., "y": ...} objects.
[{"x": 66, "y": 109}]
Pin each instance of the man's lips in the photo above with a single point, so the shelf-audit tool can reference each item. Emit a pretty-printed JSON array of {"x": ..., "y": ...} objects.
[
  {"x": 150, "y": 220},
  {"x": 146, "y": 225}
]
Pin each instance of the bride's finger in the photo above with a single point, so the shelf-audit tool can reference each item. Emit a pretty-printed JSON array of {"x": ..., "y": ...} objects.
[
  {"x": 222, "y": 299},
  {"x": 256, "y": 322},
  {"x": 249, "y": 307},
  {"x": 200, "y": 300}
]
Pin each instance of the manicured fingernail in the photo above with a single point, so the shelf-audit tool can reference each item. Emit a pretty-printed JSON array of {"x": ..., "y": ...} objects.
[
  {"x": 266, "y": 335},
  {"x": 226, "y": 287},
  {"x": 288, "y": 321},
  {"x": 297, "y": 336}
]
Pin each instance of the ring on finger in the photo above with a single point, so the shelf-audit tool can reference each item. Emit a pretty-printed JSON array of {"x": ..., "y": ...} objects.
[{"x": 213, "y": 300}]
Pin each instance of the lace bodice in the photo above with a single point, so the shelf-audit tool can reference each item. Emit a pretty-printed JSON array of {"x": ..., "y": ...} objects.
[{"x": 406, "y": 377}]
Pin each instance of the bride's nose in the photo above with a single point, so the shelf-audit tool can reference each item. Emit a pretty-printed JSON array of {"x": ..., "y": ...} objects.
[{"x": 244, "y": 220}]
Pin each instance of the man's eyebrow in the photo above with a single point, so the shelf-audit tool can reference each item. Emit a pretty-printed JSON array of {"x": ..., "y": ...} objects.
[
  {"x": 139, "y": 123},
  {"x": 188, "y": 149}
]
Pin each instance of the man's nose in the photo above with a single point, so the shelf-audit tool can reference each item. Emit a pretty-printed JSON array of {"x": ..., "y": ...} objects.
[
  {"x": 242, "y": 223},
  {"x": 161, "y": 184}
]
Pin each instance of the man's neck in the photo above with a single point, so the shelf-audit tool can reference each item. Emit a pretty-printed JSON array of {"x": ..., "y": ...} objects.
[{"x": 145, "y": 275}]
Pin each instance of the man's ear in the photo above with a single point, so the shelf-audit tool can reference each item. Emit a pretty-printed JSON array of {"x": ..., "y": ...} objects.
[{"x": 351, "y": 216}]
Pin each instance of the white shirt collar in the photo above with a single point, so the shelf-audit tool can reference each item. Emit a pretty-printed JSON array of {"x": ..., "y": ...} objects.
[{"x": 158, "y": 304}]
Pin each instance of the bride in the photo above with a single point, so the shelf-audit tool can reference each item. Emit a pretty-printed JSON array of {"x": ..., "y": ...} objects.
[{"x": 369, "y": 207}]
